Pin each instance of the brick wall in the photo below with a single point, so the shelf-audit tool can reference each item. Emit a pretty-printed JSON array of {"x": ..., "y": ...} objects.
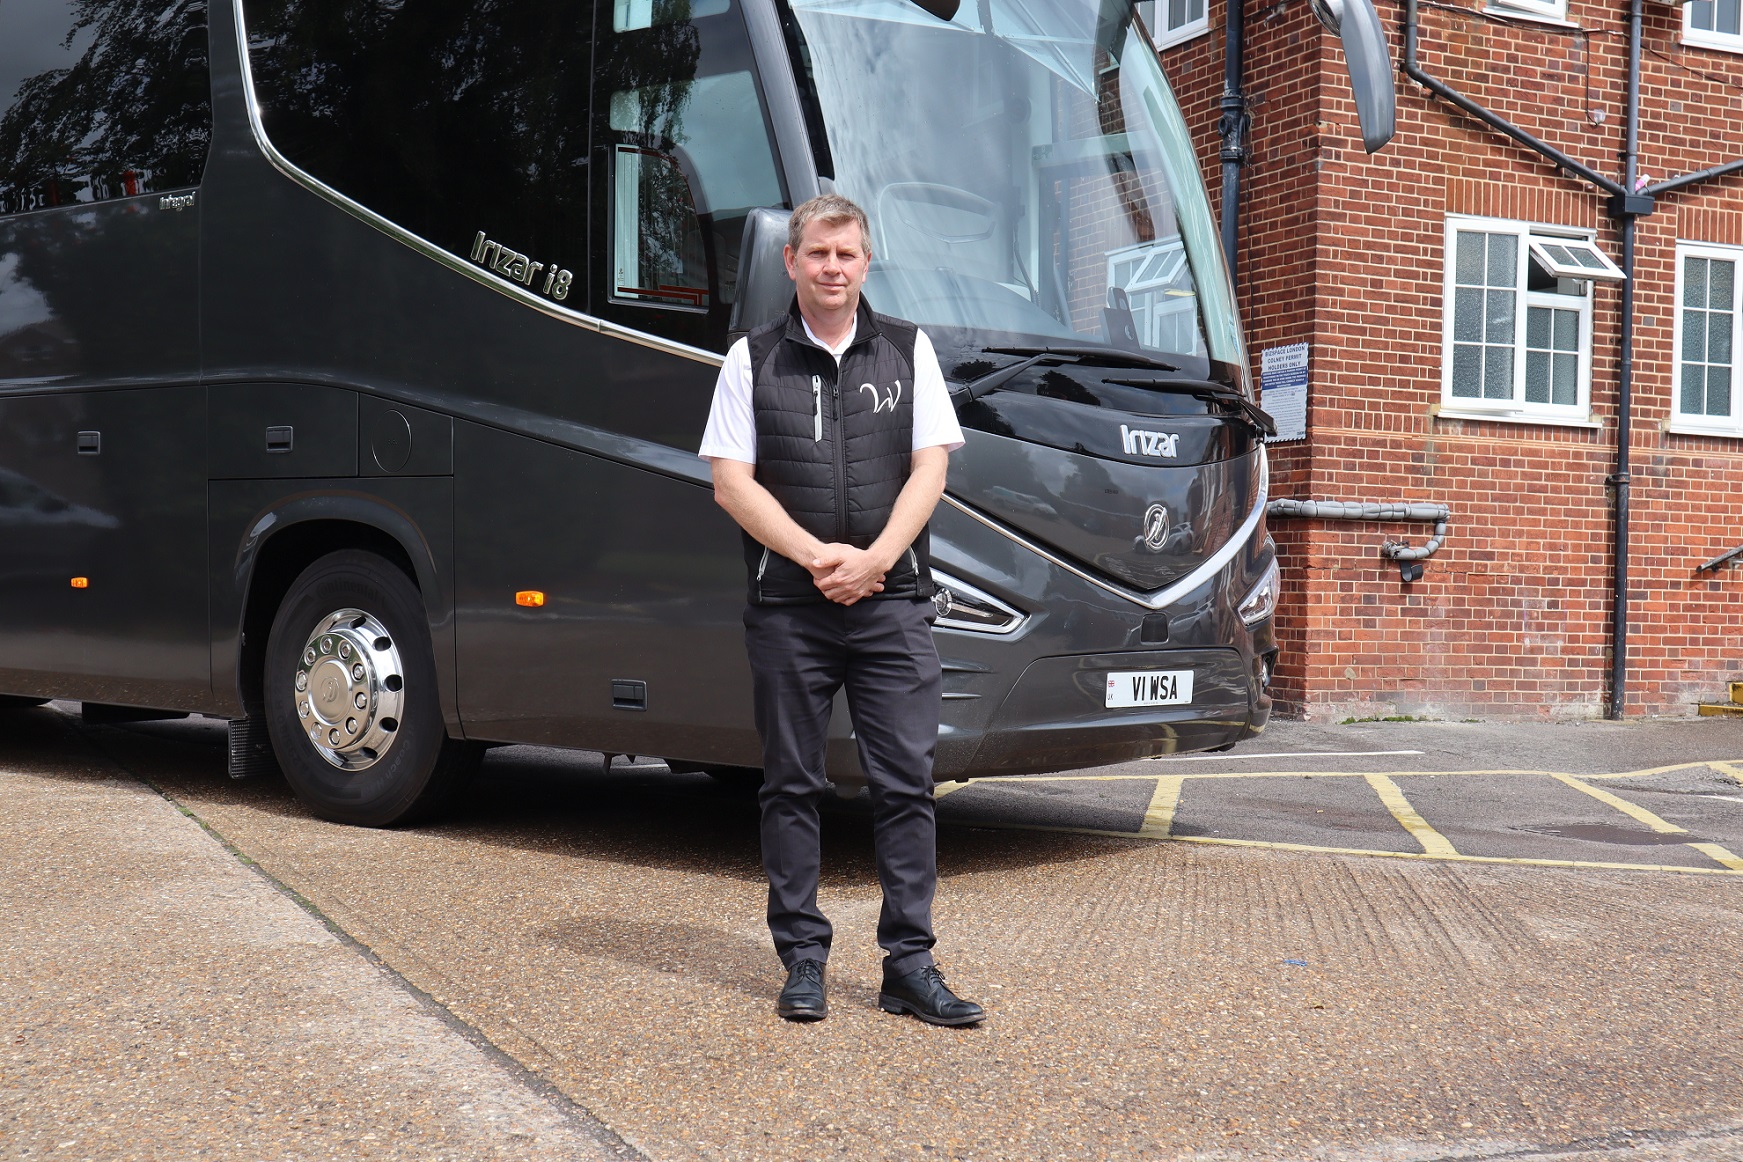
[{"x": 1345, "y": 251}]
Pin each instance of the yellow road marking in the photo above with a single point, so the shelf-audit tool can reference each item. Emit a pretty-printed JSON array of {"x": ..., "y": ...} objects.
[
  {"x": 1274, "y": 845},
  {"x": 1159, "y": 818},
  {"x": 1722, "y": 767},
  {"x": 1631, "y": 809},
  {"x": 1720, "y": 855},
  {"x": 1433, "y": 842},
  {"x": 942, "y": 789}
]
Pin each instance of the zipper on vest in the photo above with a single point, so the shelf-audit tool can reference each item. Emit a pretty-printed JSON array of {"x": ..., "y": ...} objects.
[
  {"x": 816, "y": 409},
  {"x": 840, "y": 462},
  {"x": 914, "y": 564},
  {"x": 763, "y": 565}
]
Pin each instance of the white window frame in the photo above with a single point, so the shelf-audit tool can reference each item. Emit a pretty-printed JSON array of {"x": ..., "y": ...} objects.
[
  {"x": 1705, "y": 425},
  {"x": 1154, "y": 12},
  {"x": 1549, "y": 11},
  {"x": 1517, "y": 407},
  {"x": 1707, "y": 38}
]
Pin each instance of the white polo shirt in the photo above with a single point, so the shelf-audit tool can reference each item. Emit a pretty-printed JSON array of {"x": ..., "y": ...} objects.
[{"x": 732, "y": 432}]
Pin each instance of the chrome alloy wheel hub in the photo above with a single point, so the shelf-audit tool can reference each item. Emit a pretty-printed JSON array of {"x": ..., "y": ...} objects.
[{"x": 349, "y": 689}]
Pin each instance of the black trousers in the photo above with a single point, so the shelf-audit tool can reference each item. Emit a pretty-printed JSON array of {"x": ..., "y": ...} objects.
[{"x": 882, "y": 653}]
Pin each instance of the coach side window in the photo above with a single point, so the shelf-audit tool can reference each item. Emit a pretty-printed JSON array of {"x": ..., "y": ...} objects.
[
  {"x": 684, "y": 144},
  {"x": 101, "y": 101},
  {"x": 464, "y": 123}
]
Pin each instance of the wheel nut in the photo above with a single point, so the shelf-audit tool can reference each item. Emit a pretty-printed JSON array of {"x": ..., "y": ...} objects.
[
  {"x": 326, "y": 645},
  {"x": 350, "y": 726},
  {"x": 302, "y": 709},
  {"x": 309, "y": 656},
  {"x": 357, "y": 671},
  {"x": 360, "y": 700},
  {"x": 302, "y": 680},
  {"x": 344, "y": 649},
  {"x": 333, "y": 736}
]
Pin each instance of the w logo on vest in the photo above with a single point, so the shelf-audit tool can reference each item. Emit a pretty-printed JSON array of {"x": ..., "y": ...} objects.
[{"x": 887, "y": 401}]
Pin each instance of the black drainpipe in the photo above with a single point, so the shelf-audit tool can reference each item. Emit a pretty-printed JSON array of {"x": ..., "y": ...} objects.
[
  {"x": 1625, "y": 205},
  {"x": 1232, "y": 126}
]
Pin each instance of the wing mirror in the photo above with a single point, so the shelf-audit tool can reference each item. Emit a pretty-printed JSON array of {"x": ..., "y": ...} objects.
[
  {"x": 1370, "y": 63},
  {"x": 764, "y": 290}
]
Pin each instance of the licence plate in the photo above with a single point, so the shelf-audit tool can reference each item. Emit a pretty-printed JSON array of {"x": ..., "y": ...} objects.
[{"x": 1150, "y": 688}]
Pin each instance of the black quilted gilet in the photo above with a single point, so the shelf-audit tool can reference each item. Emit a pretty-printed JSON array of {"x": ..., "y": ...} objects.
[{"x": 834, "y": 448}]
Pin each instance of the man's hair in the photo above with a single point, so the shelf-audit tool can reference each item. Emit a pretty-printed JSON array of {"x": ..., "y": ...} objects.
[{"x": 831, "y": 210}]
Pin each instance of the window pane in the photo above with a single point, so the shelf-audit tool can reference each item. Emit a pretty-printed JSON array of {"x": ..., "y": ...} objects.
[
  {"x": 1497, "y": 373},
  {"x": 1719, "y": 337},
  {"x": 1468, "y": 316},
  {"x": 1718, "y": 391},
  {"x": 1537, "y": 377},
  {"x": 1176, "y": 14},
  {"x": 1694, "y": 336},
  {"x": 1470, "y": 259},
  {"x": 1721, "y": 278},
  {"x": 101, "y": 101},
  {"x": 1693, "y": 389},
  {"x": 1537, "y": 327},
  {"x": 464, "y": 123},
  {"x": 1503, "y": 260},
  {"x": 1567, "y": 380},
  {"x": 1728, "y": 14},
  {"x": 1467, "y": 377},
  {"x": 1567, "y": 331},
  {"x": 1694, "y": 282},
  {"x": 1500, "y": 317},
  {"x": 656, "y": 237},
  {"x": 1701, "y": 15},
  {"x": 1195, "y": 10}
]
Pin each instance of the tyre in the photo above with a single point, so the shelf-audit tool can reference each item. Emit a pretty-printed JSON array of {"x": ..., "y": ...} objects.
[
  {"x": 351, "y": 702},
  {"x": 20, "y": 702}
]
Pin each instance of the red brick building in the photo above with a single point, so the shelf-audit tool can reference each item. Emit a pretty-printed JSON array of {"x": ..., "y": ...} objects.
[{"x": 1449, "y": 364}]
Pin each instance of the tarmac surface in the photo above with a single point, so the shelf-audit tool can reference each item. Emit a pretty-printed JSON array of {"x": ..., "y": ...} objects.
[{"x": 1417, "y": 942}]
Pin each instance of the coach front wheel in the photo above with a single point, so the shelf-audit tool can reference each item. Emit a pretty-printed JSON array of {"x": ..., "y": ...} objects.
[{"x": 351, "y": 696}]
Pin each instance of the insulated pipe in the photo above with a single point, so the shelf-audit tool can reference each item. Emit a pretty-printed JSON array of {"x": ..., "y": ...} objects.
[{"x": 1437, "y": 514}]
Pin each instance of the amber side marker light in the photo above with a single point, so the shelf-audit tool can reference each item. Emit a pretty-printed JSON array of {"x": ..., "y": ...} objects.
[
  {"x": 529, "y": 597},
  {"x": 81, "y": 582}
]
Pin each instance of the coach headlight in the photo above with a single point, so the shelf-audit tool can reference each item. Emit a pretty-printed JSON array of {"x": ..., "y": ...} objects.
[
  {"x": 962, "y": 606},
  {"x": 1261, "y": 599}
]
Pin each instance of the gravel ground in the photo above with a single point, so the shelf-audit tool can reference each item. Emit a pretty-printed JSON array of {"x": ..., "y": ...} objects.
[{"x": 604, "y": 931}]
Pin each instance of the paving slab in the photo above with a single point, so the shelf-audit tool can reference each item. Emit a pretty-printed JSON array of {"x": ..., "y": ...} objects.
[
  {"x": 1149, "y": 999},
  {"x": 159, "y": 999}
]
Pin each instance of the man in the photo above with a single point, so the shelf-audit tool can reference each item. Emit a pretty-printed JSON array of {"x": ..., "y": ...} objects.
[{"x": 828, "y": 440}]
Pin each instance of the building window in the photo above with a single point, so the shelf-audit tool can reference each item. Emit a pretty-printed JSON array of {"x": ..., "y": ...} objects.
[
  {"x": 1518, "y": 318},
  {"x": 1530, "y": 9},
  {"x": 1709, "y": 310},
  {"x": 1172, "y": 21},
  {"x": 1714, "y": 23}
]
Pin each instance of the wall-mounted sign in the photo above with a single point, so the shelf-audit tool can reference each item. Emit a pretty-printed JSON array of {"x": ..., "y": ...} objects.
[{"x": 1283, "y": 389}]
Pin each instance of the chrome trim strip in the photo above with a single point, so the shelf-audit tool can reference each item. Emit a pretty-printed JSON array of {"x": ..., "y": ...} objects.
[
  {"x": 1160, "y": 598},
  {"x": 429, "y": 249},
  {"x": 952, "y": 581}
]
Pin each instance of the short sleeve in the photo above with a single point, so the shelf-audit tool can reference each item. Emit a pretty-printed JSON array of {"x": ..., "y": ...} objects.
[
  {"x": 934, "y": 415},
  {"x": 731, "y": 433}
]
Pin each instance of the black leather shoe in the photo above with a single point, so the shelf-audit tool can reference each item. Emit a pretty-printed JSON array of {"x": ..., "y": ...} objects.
[
  {"x": 924, "y": 994},
  {"x": 805, "y": 998}
]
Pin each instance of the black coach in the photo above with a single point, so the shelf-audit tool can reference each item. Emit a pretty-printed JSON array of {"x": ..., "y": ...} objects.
[{"x": 829, "y": 436}]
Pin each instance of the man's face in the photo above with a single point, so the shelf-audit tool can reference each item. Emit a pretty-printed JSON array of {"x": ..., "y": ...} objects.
[{"x": 829, "y": 267}]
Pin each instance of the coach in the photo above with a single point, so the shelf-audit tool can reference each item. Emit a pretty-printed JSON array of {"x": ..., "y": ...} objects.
[{"x": 828, "y": 438}]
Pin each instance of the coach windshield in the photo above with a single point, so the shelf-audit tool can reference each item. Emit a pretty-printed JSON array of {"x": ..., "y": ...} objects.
[{"x": 1028, "y": 175}]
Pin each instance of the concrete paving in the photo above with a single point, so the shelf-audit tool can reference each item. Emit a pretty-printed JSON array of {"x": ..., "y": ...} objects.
[{"x": 1198, "y": 975}]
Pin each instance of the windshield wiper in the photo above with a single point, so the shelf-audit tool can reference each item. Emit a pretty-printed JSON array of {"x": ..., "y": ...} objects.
[
  {"x": 993, "y": 380},
  {"x": 1250, "y": 411},
  {"x": 1107, "y": 356}
]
